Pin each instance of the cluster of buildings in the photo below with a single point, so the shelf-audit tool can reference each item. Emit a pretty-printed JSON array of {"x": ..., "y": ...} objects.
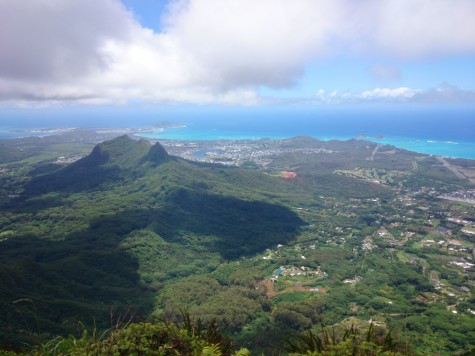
[
  {"x": 293, "y": 271},
  {"x": 466, "y": 196},
  {"x": 233, "y": 153}
]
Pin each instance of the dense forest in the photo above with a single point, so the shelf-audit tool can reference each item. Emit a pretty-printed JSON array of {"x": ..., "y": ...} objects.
[{"x": 133, "y": 242}]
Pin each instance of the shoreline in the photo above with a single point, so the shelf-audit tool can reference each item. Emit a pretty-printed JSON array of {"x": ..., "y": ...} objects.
[
  {"x": 449, "y": 148},
  {"x": 443, "y": 148}
]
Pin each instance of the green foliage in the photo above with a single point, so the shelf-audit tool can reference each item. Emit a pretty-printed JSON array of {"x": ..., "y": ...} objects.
[
  {"x": 204, "y": 298},
  {"x": 299, "y": 315},
  {"x": 186, "y": 337},
  {"x": 129, "y": 227},
  {"x": 143, "y": 339},
  {"x": 85, "y": 251},
  {"x": 192, "y": 337},
  {"x": 352, "y": 342}
]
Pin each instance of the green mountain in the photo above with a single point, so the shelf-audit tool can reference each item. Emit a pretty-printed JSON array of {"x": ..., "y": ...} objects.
[
  {"x": 117, "y": 223},
  {"x": 323, "y": 232},
  {"x": 108, "y": 161}
]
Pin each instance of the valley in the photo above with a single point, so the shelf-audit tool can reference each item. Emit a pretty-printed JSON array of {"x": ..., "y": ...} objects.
[{"x": 267, "y": 237}]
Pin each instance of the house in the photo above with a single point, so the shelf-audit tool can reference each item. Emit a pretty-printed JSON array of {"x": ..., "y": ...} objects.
[{"x": 443, "y": 230}]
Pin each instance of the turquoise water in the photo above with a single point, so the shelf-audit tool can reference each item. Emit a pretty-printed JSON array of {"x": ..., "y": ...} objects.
[
  {"x": 444, "y": 131},
  {"x": 432, "y": 146}
]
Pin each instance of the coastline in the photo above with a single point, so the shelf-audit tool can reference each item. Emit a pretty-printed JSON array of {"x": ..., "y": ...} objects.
[
  {"x": 443, "y": 148},
  {"x": 450, "y": 148}
]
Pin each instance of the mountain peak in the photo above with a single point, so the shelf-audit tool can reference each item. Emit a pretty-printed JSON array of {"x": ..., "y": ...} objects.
[
  {"x": 108, "y": 161},
  {"x": 122, "y": 151},
  {"x": 157, "y": 154}
]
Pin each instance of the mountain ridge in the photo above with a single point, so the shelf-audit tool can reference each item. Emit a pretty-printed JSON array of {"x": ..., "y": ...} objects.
[
  {"x": 130, "y": 226},
  {"x": 108, "y": 161}
]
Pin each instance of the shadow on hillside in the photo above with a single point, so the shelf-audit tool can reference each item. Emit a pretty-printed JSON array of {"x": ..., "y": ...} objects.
[
  {"x": 53, "y": 285},
  {"x": 34, "y": 205},
  {"x": 81, "y": 277},
  {"x": 237, "y": 227},
  {"x": 72, "y": 179},
  {"x": 232, "y": 227}
]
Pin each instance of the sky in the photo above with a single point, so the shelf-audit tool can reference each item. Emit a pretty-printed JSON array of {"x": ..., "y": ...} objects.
[{"x": 83, "y": 55}]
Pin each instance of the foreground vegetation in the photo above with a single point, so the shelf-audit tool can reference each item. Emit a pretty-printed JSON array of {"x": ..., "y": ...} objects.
[
  {"x": 190, "y": 337},
  {"x": 259, "y": 254}
]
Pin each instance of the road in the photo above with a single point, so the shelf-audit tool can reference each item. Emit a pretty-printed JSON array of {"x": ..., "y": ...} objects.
[
  {"x": 450, "y": 167},
  {"x": 378, "y": 146}
]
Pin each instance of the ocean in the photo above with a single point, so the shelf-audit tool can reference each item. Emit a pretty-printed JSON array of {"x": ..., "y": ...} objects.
[{"x": 443, "y": 131}]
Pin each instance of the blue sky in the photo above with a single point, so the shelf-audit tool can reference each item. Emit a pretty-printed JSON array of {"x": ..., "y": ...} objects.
[{"x": 150, "y": 54}]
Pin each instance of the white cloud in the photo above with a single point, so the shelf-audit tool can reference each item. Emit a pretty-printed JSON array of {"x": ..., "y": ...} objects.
[
  {"x": 411, "y": 28},
  {"x": 264, "y": 42},
  {"x": 443, "y": 94},
  {"x": 386, "y": 93},
  {"x": 47, "y": 40},
  {"x": 94, "y": 51}
]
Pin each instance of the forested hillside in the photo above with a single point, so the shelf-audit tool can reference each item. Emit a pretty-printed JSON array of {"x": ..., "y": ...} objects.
[{"x": 348, "y": 234}]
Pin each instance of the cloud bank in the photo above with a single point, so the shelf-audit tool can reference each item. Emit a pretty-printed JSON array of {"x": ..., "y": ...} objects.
[
  {"x": 443, "y": 94},
  {"x": 211, "y": 51}
]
